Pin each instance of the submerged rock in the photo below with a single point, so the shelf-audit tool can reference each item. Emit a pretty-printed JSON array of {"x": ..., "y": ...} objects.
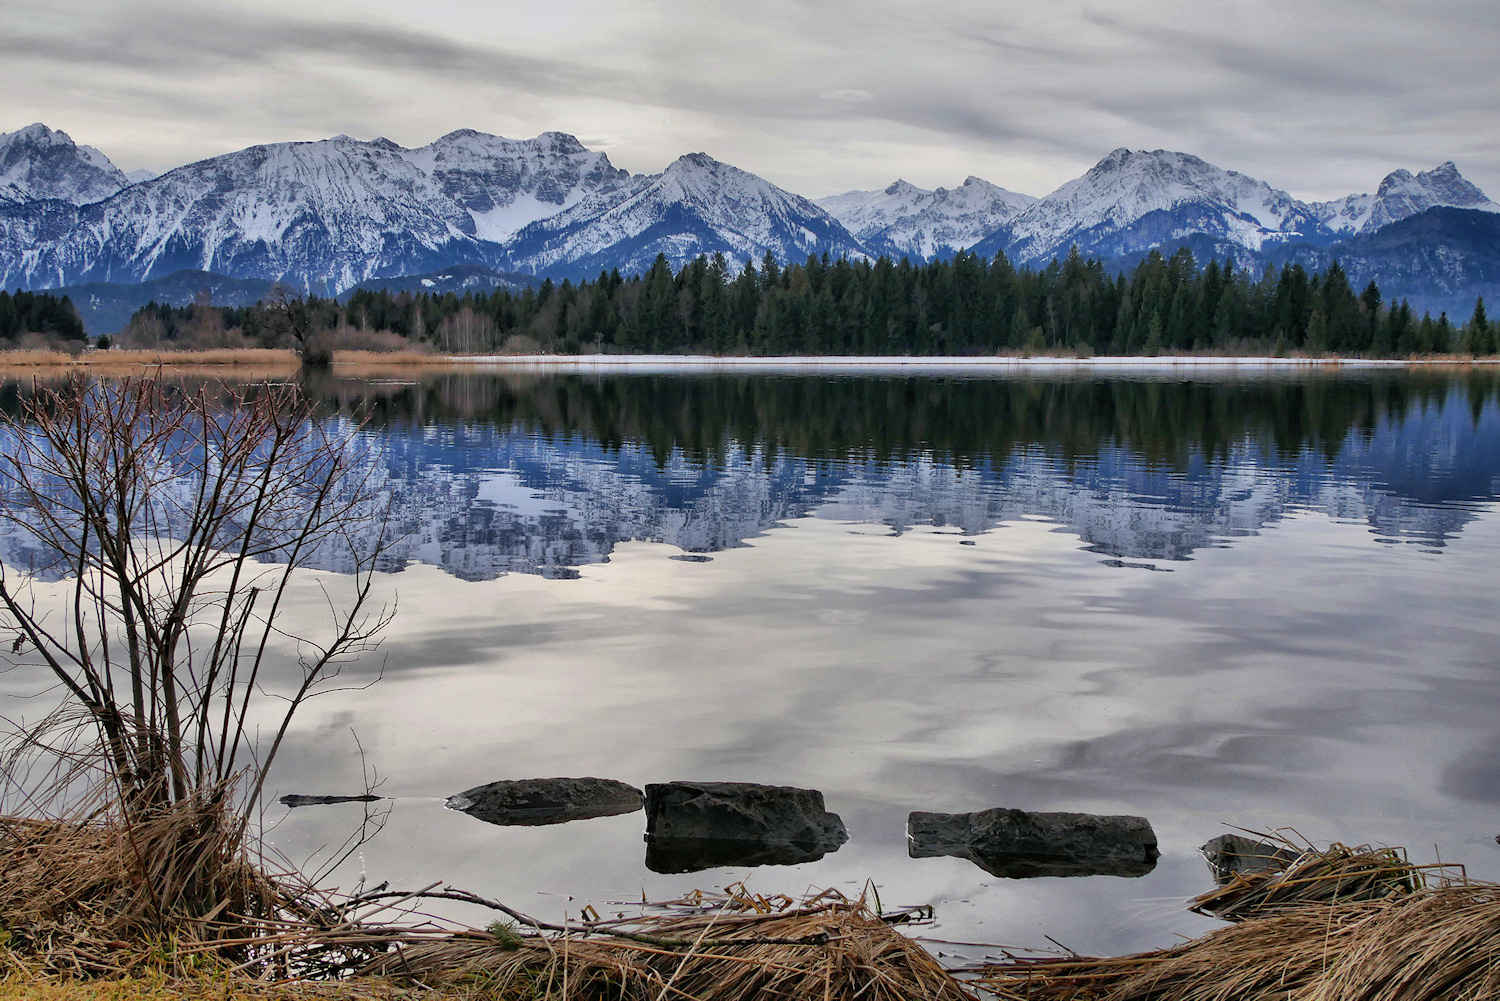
[
  {"x": 742, "y": 811},
  {"x": 669, "y": 855},
  {"x": 535, "y": 802},
  {"x": 1019, "y": 845},
  {"x": 294, "y": 800},
  {"x": 1229, "y": 854}
]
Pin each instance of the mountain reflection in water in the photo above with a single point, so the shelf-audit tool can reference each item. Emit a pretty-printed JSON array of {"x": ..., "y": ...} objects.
[{"x": 540, "y": 474}]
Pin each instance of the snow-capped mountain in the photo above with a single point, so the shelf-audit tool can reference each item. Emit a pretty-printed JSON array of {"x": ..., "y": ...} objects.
[
  {"x": 331, "y": 214},
  {"x": 37, "y": 163},
  {"x": 904, "y": 220},
  {"x": 698, "y": 205},
  {"x": 1132, "y": 201},
  {"x": 1401, "y": 195},
  {"x": 504, "y": 184},
  {"x": 325, "y": 214}
]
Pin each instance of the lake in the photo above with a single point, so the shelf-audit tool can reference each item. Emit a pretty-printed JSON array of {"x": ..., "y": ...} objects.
[{"x": 1260, "y": 601}]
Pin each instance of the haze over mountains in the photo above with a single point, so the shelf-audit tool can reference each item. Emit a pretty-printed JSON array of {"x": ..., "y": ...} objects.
[{"x": 333, "y": 214}]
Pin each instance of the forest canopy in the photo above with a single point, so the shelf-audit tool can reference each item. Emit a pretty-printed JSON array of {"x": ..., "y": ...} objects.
[{"x": 967, "y": 305}]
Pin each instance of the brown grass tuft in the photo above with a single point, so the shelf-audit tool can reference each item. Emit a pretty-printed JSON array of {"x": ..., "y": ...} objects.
[{"x": 1341, "y": 924}]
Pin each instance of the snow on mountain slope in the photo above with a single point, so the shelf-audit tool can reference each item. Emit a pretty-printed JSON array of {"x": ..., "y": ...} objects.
[
  {"x": 865, "y": 213},
  {"x": 1130, "y": 201},
  {"x": 1401, "y": 195},
  {"x": 698, "y": 205},
  {"x": 38, "y": 163},
  {"x": 325, "y": 214},
  {"x": 1344, "y": 216},
  {"x": 137, "y": 176},
  {"x": 904, "y": 220},
  {"x": 504, "y": 184}
]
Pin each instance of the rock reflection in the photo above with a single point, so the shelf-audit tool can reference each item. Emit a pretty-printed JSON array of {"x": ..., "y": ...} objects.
[
  {"x": 540, "y": 802},
  {"x": 676, "y": 855}
]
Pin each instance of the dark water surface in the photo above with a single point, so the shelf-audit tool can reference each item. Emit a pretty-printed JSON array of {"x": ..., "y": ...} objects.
[{"x": 925, "y": 593}]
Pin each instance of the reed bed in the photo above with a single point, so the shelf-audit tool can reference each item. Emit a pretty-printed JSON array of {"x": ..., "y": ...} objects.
[
  {"x": 733, "y": 948},
  {"x": 1337, "y": 924},
  {"x": 177, "y": 898},
  {"x": 1303, "y": 875},
  {"x": 277, "y": 358},
  {"x": 174, "y": 906}
]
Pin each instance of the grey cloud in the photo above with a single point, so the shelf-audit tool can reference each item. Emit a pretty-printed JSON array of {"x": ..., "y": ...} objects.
[
  {"x": 1318, "y": 100},
  {"x": 162, "y": 41}
]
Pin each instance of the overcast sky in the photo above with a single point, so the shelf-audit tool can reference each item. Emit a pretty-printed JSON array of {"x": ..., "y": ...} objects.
[{"x": 818, "y": 96}]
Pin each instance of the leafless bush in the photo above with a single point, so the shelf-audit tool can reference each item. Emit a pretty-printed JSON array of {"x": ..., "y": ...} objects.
[{"x": 164, "y": 529}]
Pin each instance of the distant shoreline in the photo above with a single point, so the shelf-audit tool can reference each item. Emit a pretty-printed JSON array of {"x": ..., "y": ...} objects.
[
  {"x": 921, "y": 362},
  {"x": 266, "y": 362}
]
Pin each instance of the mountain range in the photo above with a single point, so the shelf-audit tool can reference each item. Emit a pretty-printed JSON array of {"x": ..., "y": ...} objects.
[{"x": 334, "y": 214}]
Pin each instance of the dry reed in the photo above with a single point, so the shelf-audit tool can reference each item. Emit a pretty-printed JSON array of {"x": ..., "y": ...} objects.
[
  {"x": 260, "y": 360},
  {"x": 173, "y": 903},
  {"x": 177, "y": 897},
  {"x": 1340, "y": 924},
  {"x": 741, "y": 947}
]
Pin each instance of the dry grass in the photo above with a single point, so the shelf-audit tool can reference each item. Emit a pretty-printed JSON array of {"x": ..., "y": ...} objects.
[
  {"x": 91, "y": 898},
  {"x": 271, "y": 361},
  {"x": 172, "y": 909},
  {"x": 1341, "y": 924},
  {"x": 1336, "y": 874},
  {"x": 735, "y": 948},
  {"x": 174, "y": 903}
]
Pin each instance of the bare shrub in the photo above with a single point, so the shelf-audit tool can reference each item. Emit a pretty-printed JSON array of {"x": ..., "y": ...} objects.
[{"x": 165, "y": 528}]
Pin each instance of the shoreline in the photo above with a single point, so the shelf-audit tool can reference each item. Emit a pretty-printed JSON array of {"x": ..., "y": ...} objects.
[
  {"x": 917, "y": 363},
  {"x": 279, "y": 362}
]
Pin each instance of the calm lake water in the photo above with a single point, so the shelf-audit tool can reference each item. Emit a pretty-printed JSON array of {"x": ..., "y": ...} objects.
[{"x": 1262, "y": 602}]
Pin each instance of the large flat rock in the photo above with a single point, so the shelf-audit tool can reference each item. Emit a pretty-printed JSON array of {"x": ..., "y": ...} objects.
[
  {"x": 535, "y": 802},
  {"x": 1019, "y": 845},
  {"x": 741, "y": 811}
]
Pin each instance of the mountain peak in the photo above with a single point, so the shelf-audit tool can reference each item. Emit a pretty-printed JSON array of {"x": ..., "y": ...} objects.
[
  {"x": 901, "y": 186},
  {"x": 562, "y": 142},
  {"x": 1402, "y": 194},
  {"x": 36, "y": 132},
  {"x": 42, "y": 163},
  {"x": 693, "y": 161}
]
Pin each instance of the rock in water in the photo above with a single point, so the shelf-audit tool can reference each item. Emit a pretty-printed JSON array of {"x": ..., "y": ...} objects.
[
  {"x": 1231, "y": 853},
  {"x": 535, "y": 802},
  {"x": 1019, "y": 845},
  {"x": 741, "y": 811}
]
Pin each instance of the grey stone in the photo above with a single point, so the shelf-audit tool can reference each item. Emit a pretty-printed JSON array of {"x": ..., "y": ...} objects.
[
  {"x": 741, "y": 811},
  {"x": 535, "y": 802},
  {"x": 1018, "y": 845},
  {"x": 1232, "y": 853}
]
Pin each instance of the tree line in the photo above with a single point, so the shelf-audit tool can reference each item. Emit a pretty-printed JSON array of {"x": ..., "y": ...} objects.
[
  {"x": 971, "y": 423},
  {"x": 967, "y": 305},
  {"x": 41, "y": 313}
]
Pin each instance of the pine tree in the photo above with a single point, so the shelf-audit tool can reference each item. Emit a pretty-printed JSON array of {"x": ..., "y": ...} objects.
[{"x": 1477, "y": 335}]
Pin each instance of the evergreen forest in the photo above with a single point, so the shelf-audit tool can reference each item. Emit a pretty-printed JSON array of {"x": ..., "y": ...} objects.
[
  {"x": 51, "y": 316},
  {"x": 967, "y": 305}
]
